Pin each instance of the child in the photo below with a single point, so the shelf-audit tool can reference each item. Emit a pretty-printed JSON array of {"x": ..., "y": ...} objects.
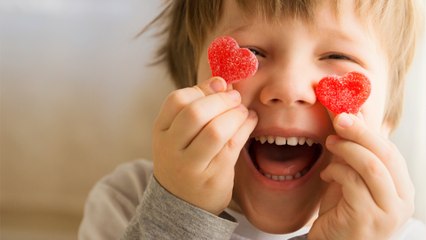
[{"x": 213, "y": 174}]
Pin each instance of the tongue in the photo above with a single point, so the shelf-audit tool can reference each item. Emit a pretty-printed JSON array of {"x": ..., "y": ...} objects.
[{"x": 282, "y": 160}]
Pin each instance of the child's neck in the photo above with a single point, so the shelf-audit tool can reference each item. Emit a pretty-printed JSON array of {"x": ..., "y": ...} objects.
[{"x": 235, "y": 207}]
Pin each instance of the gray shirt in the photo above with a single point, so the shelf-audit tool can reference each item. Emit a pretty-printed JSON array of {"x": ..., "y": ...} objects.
[{"x": 130, "y": 204}]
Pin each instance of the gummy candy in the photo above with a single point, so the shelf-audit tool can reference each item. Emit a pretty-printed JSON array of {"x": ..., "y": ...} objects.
[
  {"x": 229, "y": 61},
  {"x": 343, "y": 94}
]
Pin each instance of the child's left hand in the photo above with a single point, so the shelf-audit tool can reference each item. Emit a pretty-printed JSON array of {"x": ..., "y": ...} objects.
[{"x": 370, "y": 194}]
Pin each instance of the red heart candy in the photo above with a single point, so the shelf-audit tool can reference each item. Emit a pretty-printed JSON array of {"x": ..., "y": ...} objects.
[
  {"x": 229, "y": 61},
  {"x": 343, "y": 94}
]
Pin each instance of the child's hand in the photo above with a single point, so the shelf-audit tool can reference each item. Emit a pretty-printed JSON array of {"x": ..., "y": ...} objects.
[
  {"x": 370, "y": 194},
  {"x": 197, "y": 139}
]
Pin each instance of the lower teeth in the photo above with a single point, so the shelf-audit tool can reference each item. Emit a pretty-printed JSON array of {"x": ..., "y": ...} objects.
[{"x": 282, "y": 178}]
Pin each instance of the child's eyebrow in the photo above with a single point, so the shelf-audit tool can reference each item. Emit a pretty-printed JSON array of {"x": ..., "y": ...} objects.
[
  {"x": 235, "y": 28},
  {"x": 339, "y": 34}
]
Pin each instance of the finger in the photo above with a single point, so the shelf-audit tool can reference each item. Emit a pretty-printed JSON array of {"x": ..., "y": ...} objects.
[
  {"x": 333, "y": 193},
  {"x": 215, "y": 135},
  {"x": 228, "y": 155},
  {"x": 353, "y": 188},
  {"x": 374, "y": 173},
  {"x": 192, "y": 118},
  {"x": 229, "y": 87},
  {"x": 353, "y": 128},
  {"x": 180, "y": 98}
]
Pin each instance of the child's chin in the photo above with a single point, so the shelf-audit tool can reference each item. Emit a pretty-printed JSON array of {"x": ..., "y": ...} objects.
[{"x": 282, "y": 220}]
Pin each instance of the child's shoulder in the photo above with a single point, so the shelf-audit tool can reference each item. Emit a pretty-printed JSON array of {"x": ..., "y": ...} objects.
[
  {"x": 129, "y": 179},
  {"x": 413, "y": 229},
  {"x": 113, "y": 200},
  {"x": 125, "y": 185},
  {"x": 129, "y": 171}
]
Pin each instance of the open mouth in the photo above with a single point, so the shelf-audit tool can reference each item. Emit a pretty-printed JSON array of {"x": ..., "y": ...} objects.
[{"x": 284, "y": 158}]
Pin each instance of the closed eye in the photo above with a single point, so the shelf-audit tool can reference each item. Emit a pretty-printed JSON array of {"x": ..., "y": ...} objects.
[
  {"x": 256, "y": 52},
  {"x": 336, "y": 56}
]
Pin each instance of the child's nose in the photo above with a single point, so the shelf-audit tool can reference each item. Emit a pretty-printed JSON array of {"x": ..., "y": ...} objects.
[{"x": 290, "y": 88}]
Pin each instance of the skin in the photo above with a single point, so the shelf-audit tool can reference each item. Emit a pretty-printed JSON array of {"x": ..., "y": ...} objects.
[{"x": 361, "y": 179}]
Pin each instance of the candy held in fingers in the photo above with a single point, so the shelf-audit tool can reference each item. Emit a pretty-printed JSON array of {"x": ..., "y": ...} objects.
[
  {"x": 229, "y": 61},
  {"x": 344, "y": 93}
]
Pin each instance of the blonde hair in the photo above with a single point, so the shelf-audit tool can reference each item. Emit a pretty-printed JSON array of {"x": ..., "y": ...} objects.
[{"x": 187, "y": 22}]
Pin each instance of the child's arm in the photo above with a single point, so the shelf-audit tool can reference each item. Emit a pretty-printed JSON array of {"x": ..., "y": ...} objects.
[
  {"x": 197, "y": 138},
  {"x": 160, "y": 215},
  {"x": 371, "y": 195}
]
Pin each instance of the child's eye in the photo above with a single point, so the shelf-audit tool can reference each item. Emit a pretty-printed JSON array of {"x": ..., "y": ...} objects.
[
  {"x": 256, "y": 52},
  {"x": 337, "y": 56}
]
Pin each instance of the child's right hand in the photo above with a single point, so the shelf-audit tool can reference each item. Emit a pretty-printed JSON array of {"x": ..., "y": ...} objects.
[{"x": 197, "y": 139}]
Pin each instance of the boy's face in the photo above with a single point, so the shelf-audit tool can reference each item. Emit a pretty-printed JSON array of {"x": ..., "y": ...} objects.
[{"x": 293, "y": 56}]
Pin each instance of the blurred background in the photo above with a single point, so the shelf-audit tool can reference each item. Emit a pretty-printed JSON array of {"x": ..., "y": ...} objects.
[{"x": 77, "y": 99}]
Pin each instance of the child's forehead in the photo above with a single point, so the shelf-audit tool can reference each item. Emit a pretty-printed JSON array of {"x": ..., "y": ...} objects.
[
  {"x": 240, "y": 15},
  {"x": 277, "y": 9}
]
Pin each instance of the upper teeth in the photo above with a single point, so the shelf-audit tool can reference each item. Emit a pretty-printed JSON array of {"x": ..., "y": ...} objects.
[{"x": 292, "y": 141}]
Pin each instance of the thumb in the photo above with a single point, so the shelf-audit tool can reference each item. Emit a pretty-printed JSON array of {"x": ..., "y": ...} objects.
[{"x": 212, "y": 85}]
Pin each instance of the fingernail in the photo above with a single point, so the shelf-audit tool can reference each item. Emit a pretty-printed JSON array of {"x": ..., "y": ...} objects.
[
  {"x": 331, "y": 140},
  {"x": 344, "y": 120},
  {"x": 252, "y": 114},
  {"x": 243, "y": 109},
  {"x": 217, "y": 85},
  {"x": 234, "y": 95}
]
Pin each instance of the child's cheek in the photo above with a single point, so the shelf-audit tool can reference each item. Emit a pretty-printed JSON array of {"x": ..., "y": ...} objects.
[{"x": 248, "y": 89}]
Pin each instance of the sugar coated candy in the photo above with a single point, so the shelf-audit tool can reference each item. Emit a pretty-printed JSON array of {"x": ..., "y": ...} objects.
[
  {"x": 344, "y": 93},
  {"x": 229, "y": 61}
]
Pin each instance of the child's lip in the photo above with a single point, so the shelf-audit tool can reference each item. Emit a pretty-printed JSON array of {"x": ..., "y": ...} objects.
[{"x": 284, "y": 132}]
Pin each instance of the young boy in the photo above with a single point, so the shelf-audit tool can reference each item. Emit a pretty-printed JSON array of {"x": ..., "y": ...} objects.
[{"x": 263, "y": 159}]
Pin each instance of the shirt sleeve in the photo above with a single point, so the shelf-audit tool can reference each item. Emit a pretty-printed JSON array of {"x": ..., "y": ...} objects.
[
  {"x": 161, "y": 215},
  {"x": 130, "y": 203}
]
